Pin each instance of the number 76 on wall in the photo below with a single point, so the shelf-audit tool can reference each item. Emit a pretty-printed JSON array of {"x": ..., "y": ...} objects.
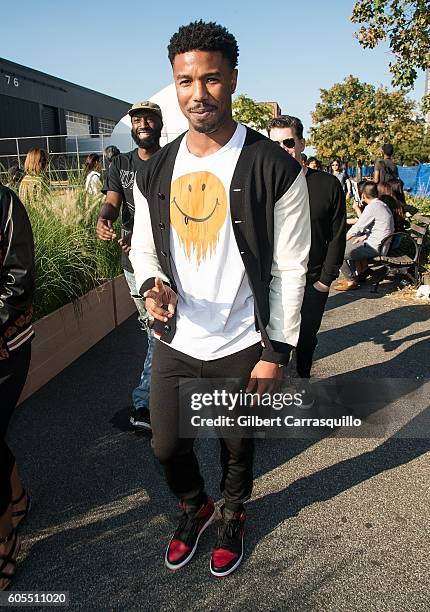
[{"x": 11, "y": 80}]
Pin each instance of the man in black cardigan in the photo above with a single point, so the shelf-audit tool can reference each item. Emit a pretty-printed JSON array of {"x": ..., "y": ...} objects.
[
  {"x": 219, "y": 249},
  {"x": 328, "y": 226}
]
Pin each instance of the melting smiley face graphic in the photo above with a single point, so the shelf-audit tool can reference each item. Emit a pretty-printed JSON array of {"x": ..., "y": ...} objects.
[{"x": 198, "y": 209}]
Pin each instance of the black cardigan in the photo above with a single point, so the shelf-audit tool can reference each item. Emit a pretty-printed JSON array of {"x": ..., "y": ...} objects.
[{"x": 263, "y": 174}]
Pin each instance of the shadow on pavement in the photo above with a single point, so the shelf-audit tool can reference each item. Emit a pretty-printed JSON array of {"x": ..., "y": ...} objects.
[
  {"x": 333, "y": 480},
  {"x": 379, "y": 330},
  {"x": 102, "y": 513},
  {"x": 342, "y": 298}
]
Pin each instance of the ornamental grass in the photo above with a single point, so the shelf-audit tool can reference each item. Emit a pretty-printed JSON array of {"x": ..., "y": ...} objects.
[{"x": 70, "y": 259}]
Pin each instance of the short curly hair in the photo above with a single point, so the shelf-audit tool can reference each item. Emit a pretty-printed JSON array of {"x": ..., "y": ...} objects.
[{"x": 202, "y": 36}]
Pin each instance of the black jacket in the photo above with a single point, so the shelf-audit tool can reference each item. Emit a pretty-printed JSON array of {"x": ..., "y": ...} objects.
[
  {"x": 328, "y": 225},
  {"x": 17, "y": 273},
  {"x": 263, "y": 175}
]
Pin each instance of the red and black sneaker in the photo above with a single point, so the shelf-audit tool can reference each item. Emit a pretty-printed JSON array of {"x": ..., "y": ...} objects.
[
  {"x": 184, "y": 542},
  {"x": 228, "y": 552}
]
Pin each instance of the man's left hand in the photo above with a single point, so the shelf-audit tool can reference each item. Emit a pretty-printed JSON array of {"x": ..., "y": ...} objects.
[
  {"x": 359, "y": 239},
  {"x": 266, "y": 376},
  {"x": 319, "y": 286}
]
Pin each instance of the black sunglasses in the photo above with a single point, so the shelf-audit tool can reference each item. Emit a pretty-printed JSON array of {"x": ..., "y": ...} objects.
[{"x": 289, "y": 143}]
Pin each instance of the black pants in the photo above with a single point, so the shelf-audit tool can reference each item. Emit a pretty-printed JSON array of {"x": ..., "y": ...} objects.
[
  {"x": 13, "y": 372},
  {"x": 177, "y": 455},
  {"x": 312, "y": 311}
]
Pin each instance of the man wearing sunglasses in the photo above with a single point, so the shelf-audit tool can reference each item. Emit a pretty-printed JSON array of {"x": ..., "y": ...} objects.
[{"x": 328, "y": 222}]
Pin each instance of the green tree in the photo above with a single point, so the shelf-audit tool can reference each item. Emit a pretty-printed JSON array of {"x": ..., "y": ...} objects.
[
  {"x": 254, "y": 114},
  {"x": 353, "y": 119},
  {"x": 406, "y": 26}
]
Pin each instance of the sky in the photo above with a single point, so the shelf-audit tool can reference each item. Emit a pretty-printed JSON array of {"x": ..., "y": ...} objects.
[{"x": 288, "y": 49}]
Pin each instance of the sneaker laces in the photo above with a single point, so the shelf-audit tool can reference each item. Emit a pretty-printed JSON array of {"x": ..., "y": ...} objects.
[
  {"x": 186, "y": 527},
  {"x": 227, "y": 531}
]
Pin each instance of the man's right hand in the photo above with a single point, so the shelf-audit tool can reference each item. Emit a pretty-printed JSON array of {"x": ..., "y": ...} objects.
[
  {"x": 104, "y": 229},
  {"x": 125, "y": 243},
  {"x": 157, "y": 297}
]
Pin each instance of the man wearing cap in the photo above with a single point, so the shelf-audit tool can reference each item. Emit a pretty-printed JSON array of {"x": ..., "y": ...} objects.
[{"x": 146, "y": 125}]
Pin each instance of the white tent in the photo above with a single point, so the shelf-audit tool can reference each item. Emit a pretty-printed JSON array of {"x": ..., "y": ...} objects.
[{"x": 173, "y": 119}]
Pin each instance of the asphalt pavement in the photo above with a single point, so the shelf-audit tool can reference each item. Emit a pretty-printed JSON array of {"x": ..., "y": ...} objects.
[{"x": 335, "y": 523}]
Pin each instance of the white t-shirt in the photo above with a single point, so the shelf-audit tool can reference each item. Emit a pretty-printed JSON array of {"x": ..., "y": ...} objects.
[
  {"x": 93, "y": 183},
  {"x": 215, "y": 311}
]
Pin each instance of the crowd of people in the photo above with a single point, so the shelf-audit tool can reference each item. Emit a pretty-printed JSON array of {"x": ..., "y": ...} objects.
[
  {"x": 32, "y": 182},
  {"x": 220, "y": 197}
]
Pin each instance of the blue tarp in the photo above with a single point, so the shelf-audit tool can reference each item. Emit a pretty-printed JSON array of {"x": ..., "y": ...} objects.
[
  {"x": 422, "y": 185},
  {"x": 416, "y": 179},
  {"x": 365, "y": 171},
  {"x": 409, "y": 175}
]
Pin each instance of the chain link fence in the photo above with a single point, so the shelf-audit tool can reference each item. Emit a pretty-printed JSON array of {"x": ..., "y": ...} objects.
[{"x": 66, "y": 152}]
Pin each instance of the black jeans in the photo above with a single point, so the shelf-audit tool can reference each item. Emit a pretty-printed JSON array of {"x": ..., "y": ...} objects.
[
  {"x": 13, "y": 372},
  {"x": 312, "y": 311},
  {"x": 176, "y": 454}
]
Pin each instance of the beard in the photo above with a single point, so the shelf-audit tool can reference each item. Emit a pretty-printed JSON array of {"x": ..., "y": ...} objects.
[
  {"x": 206, "y": 128},
  {"x": 209, "y": 125},
  {"x": 149, "y": 142}
]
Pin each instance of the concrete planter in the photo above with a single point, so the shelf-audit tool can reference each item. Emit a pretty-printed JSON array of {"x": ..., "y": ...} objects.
[
  {"x": 67, "y": 333},
  {"x": 123, "y": 303}
]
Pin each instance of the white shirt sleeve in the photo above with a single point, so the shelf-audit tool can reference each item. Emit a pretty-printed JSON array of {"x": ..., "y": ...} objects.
[
  {"x": 367, "y": 218},
  {"x": 143, "y": 255},
  {"x": 292, "y": 240}
]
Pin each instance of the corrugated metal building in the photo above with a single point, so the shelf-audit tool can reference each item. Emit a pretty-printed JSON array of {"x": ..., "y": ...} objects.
[{"x": 33, "y": 103}]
